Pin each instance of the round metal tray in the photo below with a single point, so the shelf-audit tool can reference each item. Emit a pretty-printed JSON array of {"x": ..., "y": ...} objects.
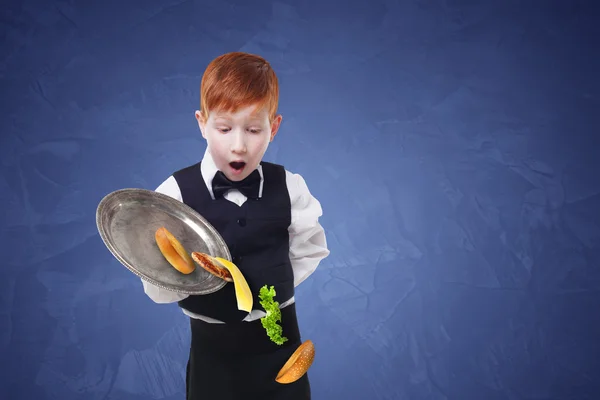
[{"x": 127, "y": 220}]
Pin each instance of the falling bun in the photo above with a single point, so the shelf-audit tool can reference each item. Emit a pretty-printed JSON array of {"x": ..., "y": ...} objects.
[{"x": 297, "y": 364}]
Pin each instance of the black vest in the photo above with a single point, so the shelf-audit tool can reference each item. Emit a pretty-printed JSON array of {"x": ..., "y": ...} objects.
[{"x": 256, "y": 234}]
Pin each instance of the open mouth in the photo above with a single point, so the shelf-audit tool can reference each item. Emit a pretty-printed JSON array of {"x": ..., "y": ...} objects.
[{"x": 237, "y": 165}]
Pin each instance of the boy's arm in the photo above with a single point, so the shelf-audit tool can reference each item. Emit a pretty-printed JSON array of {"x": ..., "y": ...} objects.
[
  {"x": 156, "y": 294},
  {"x": 308, "y": 245}
]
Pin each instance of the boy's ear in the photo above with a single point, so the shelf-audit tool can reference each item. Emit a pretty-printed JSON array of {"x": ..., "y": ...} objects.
[
  {"x": 275, "y": 126},
  {"x": 201, "y": 122}
]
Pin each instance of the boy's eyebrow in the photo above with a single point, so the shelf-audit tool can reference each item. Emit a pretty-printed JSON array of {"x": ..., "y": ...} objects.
[{"x": 253, "y": 119}]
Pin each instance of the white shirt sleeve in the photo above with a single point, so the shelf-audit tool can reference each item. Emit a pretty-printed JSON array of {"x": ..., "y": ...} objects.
[
  {"x": 308, "y": 245},
  {"x": 156, "y": 294}
]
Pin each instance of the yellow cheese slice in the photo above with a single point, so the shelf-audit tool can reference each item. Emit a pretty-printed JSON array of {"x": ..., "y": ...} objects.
[{"x": 242, "y": 290}]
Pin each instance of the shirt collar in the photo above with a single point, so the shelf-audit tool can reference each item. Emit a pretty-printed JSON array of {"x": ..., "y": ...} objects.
[{"x": 209, "y": 169}]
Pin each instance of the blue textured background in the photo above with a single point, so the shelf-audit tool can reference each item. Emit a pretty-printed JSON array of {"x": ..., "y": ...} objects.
[{"x": 454, "y": 146}]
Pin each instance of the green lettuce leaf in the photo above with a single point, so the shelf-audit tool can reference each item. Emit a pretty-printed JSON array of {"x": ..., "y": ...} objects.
[{"x": 273, "y": 317}]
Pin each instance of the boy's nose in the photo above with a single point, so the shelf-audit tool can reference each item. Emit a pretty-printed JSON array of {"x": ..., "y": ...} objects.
[{"x": 239, "y": 144}]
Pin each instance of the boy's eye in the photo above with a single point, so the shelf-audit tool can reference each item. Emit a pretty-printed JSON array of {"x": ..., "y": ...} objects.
[{"x": 225, "y": 130}]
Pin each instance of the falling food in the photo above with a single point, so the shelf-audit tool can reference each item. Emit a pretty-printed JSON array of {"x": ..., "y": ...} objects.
[
  {"x": 174, "y": 251},
  {"x": 211, "y": 265},
  {"x": 298, "y": 364},
  {"x": 243, "y": 293}
]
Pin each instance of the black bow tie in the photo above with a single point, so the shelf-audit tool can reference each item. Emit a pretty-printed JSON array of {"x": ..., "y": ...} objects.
[{"x": 249, "y": 187}]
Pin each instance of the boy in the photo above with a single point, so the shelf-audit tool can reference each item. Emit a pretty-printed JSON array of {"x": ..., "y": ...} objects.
[{"x": 269, "y": 221}]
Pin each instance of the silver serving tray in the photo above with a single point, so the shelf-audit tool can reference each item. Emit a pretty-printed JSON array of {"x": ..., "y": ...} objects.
[{"x": 127, "y": 220}]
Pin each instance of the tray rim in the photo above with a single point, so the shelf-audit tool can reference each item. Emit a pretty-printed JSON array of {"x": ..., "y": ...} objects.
[{"x": 103, "y": 235}]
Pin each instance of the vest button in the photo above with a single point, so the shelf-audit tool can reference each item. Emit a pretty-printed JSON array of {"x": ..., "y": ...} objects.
[{"x": 241, "y": 222}]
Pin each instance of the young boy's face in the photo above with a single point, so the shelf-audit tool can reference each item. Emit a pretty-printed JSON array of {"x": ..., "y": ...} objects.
[{"x": 238, "y": 141}]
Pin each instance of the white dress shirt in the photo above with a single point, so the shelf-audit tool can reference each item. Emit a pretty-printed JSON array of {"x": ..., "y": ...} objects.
[{"x": 308, "y": 245}]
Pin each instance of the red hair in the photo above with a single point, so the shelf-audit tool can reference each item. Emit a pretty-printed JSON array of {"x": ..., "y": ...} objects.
[{"x": 236, "y": 80}]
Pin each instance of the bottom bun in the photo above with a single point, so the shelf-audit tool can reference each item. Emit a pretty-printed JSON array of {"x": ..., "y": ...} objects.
[{"x": 174, "y": 252}]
